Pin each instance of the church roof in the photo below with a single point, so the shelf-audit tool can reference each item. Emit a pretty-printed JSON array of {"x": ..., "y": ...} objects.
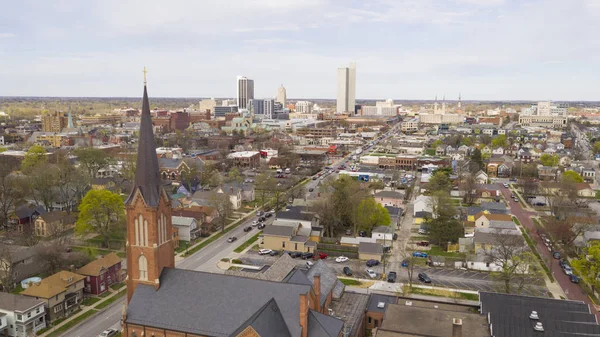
[{"x": 147, "y": 177}]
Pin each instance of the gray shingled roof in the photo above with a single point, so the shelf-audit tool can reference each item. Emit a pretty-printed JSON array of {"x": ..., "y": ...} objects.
[
  {"x": 169, "y": 163},
  {"x": 12, "y": 302},
  {"x": 389, "y": 194},
  {"x": 278, "y": 230},
  {"x": 375, "y": 299},
  {"x": 329, "y": 279},
  {"x": 320, "y": 325},
  {"x": 212, "y": 304},
  {"x": 382, "y": 229},
  {"x": 370, "y": 248},
  {"x": 267, "y": 321}
]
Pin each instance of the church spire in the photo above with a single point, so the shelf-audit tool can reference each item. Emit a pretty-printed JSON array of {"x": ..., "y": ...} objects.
[
  {"x": 70, "y": 120},
  {"x": 147, "y": 177}
]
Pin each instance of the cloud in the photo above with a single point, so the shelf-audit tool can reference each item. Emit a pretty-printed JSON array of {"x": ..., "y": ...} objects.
[{"x": 7, "y": 35}]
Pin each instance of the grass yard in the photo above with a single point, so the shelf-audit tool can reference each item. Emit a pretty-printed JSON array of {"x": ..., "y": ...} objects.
[
  {"x": 182, "y": 246},
  {"x": 438, "y": 251},
  {"x": 90, "y": 301},
  {"x": 72, "y": 323},
  {"x": 350, "y": 282},
  {"x": 248, "y": 243},
  {"x": 112, "y": 299},
  {"x": 117, "y": 286}
]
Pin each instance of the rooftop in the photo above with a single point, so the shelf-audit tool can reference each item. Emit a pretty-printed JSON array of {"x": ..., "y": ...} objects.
[
  {"x": 12, "y": 302},
  {"x": 95, "y": 267},
  {"x": 53, "y": 284}
]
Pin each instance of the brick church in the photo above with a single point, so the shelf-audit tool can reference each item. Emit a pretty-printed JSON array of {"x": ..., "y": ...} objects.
[{"x": 169, "y": 302}]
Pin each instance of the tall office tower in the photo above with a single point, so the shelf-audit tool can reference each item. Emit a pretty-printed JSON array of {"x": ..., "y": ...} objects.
[
  {"x": 346, "y": 89},
  {"x": 281, "y": 95},
  {"x": 256, "y": 106},
  {"x": 269, "y": 108},
  {"x": 245, "y": 91}
]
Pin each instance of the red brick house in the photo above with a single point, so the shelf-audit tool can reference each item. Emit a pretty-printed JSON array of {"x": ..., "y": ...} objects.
[{"x": 101, "y": 273}]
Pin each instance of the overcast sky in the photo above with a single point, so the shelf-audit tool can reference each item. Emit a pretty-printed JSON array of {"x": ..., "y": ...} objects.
[{"x": 404, "y": 49}]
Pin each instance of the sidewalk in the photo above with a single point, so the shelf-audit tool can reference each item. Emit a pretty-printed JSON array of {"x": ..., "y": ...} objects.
[{"x": 114, "y": 294}]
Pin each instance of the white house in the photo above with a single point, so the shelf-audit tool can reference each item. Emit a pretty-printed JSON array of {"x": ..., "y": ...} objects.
[
  {"x": 383, "y": 233},
  {"x": 498, "y": 150},
  {"x": 187, "y": 226},
  {"x": 21, "y": 316},
  {"x": 481, "y": 177}
]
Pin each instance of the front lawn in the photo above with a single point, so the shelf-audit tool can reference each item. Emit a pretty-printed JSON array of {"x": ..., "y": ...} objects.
[
  {"x": 72, "y": 323},
  {"x": 439, "y": 251},
  {"x": 90, "y": 301}
]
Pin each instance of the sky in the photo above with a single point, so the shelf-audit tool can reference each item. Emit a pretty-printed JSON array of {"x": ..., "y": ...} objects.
[{"x": 404, "y": 49}]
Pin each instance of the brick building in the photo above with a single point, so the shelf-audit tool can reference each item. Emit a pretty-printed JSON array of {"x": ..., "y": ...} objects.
[{"x": 54, "y": 122}]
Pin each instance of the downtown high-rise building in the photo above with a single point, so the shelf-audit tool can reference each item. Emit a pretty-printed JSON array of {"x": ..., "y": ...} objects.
[
  {"x": 281, "y": 95},
  {"x": 245, "y": 91},
  {"x": 346, "y": 89},
  {"x": 269, "y": 108}
]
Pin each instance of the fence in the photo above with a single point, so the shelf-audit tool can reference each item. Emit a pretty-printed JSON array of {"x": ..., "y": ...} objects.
[{"x": 337, "y": 250}]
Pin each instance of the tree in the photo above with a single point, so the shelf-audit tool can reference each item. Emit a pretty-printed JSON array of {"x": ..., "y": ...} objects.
[
  {"x": 7, "y": 268},
  {"x": 72, "y": 183},
  {"x": 376, "y": 185},
  {"x": 499, "y": 141},
  {"x": 190, "y": 177},
  {"x": 597, "y": 147},
  {"x": 477, "y": 158},
  {"x": 234, "y": 175},
  {"x": 370, "y": 214},
  {"x": 567, "y": 228},
  {"x": 549, "y": 160},
  {"x": 468, "y": 187},
  {"x": 528, "y": 186},
  {"x": 440, "y": 181},
  {"x": 223, "y": 207},
  {"x": 92, "y": 159},
  {"x": 485, "y": 139},
  {"x": 444, "y": 227},
  {"x": 518, "y": 265},
  {"x": 436, "y": 143},
  {"x": 588, "y": 265},
  {"x": 297, "y": 190},
  {"x": 101, "y": 212},
  {"x": 34, "y": 157},
  {"x": 41, "y": 184},
  {"x": 265, "y": 182},
  {"x": 571, "y": 177},
  {"x": 468, "y": 141},
  {"x": 324, "y": 209},
  {"x": 11, "y": 195}
]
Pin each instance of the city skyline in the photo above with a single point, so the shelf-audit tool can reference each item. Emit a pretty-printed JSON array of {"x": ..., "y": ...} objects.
[{"x": 492, "y": 50}]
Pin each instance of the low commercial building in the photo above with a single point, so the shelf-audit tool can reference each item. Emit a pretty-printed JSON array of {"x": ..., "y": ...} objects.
[
  {"x": 293, "y": 237},
  {"x": 370, "y": 251},
  {"x": 410, "y": 125},
  {"x": 21, "y": 316},
  {"x": 554, "y": 122},
  {"x": 245, "y": 159}
]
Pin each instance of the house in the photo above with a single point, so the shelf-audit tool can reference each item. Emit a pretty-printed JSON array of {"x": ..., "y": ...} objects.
[
  {"x": 498, "y": 151},
  {"x": 24, "y": 262},
  {"x": 204, "y": 215},
  {"x": 486, "y": 151},
  {"x": 395, "y": 214},
  {"x": 481, "y": 177},
  {"x": 547, "y": 172},
  {"x": 101, "y": 273},
  {"x": 440, "y": 150},
  {"x": 61, "y": 293},
  {"x": 53, "y": 223},
  {"x": 584, "y": 190},
  {"x": 383, "y": 233},
  {"x": 370, "y": 251},
  {"x": 389, "y": 198},
  {"x": 187, "y": 227},
  {"x": 464, "y": 150},
  {"x": 509, "y": 315},
  {"x": 588, "y": 174},
  {"x": 297, "y": 214},
  {"x": 292, "y": 237},
  {"x": 483, "y": 219},
  {"x": 487, "y": 190},
  {"x": 172, "y": 168},
  {"x": 494, "y": 207},
  {"x": 524, "y": 156},
  {"x": 246, "y": 190},
  {"x": 204, "y": 198},
  {"x": 486, "y": 238},
  {"x": 24, "y": 216},
  {"x": 21, "y": 316}
]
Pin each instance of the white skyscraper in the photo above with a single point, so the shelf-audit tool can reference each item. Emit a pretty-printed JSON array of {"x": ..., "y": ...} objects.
[
  {"x": 268, "y": 108},
  {"x": 245, "y": 91},
  {"x": 282, "y": 95},
  {"x": 346, "y": 89}
]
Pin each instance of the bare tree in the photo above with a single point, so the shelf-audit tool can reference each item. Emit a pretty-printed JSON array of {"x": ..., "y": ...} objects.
[
  {"x": 468, "y": 186},
  {"x": 11, "y": 196},
  {"x": 223, "y": 207},
  {"x": 517, "y": 265},
  {"x": 7, "y": 270}
]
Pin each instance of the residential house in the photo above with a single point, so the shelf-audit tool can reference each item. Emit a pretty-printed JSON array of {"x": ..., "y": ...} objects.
[
  {"x": 24, "y": 262},
  {"x": 422, "y": 209},
  {"x": 498, "y": 151},
  {"x": 389, "y": 198},
  {"x": 483, "y": 219},
  {"x": 205, "y": 198},
  {"x": 395, "y": 214},
  {"x": 62, "y": 293},
  {"x": 204, "y": 215},
  {"x": 584, "y": 190},
  {"x": 588, "y": 174},
  {"x": 101, "y": 273},
  {"x": 547, "y": 172},
  {"x": 512, "y": 150},
  {"x": 172, "y": 168},
  {"x": 187, "y": 227},
  {"x": 487, "y": 190},
  {"x": 370, "y": 251},
  {"x": 376, "y": 307},
  {"x": 486, "y": 151},
  {"x": 464, "y": 150},
  {"x": 384, "y": 234},
  {"x": 450, "y": 150},
  {"x": 491, "y": 207},
  {"x": 440, "y": 150},
  {"x": 246, "y": 190},
  {"x": 21, "y": 316},
  {"x": 53, "y": 223},
  {"x": 481, "y": 177},
  {"x": 524, "y": 156},
  {"x": 297, "y": 214},
  {"x": 24, "y": 217},
  {"x": 291, "y": 237}
]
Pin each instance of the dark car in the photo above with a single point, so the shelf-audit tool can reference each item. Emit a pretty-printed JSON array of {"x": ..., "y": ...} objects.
[
  {"x": 391, "y": 277},
  {"x": 307, "y": 255},
  {"x": 231, "y": 239},
  {"x": 562, "y": 263},
  {"x": 556, "y": 255},
  {"x": 372, "y": 263},
  {"x": 405, "y": 263},
  {"x": 423, "y": 243},
  {"x": 311, "y": 189},
  {"x": 347, "y": 271},
  {"x": 348, "y": 232},
  {"x": 395, "y": 236},
  {"x": 295, "y": 254},
  {"x": 247, "y": 229},
  {"x": 261, "y": 226},
  {"x": 362, "y": 234},
  {"x": 268, "y": 215},
  {"x": 574, "y": 278},
  {"x": 424, "y": 278},
  {"x": 274, "y": 253}
]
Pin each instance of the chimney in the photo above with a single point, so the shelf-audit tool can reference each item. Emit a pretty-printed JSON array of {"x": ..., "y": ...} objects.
[
  {"x": 304, "y": 314},
  {"x": 456, "y": 327},
  {"x": 317, "y": 287}
]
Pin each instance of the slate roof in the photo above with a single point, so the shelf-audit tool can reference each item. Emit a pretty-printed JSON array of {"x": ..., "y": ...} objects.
[
  {"x": 375, "y": 299},
  {"x": 26, "y": 211},
  {"x": 394, "y": 211},
  {"x": 320, "y": 325},
  {"x": 12, "y": 302},
  {"x": 389, "y": 194},
  {"x": 219, "y": 305},
  {"x": 182, "y": 220},
  {"x": 509, "y": 316},
  {"x": 169, "y": 163},
  {"x": 295, "y": 213},
  {"x": 93, "y": 268},
  {"x": 53, "y": 216},
  {"x": 370, "y": 248},
  {"x": 329, "y": 279},
  {"x": 278, "y": 230},
  {"x": 382, "y": 229},
  {"x": 147, "y": 177}
]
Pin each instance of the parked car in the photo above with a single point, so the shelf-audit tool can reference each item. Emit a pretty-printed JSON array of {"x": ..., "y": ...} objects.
[
  {"x": 247, "y": 229},
  {"x": 311, "y": 189},
  {"x": 307, "y": 255},
  {"x": 574, "y": 278},
  {"x": 231, "y": 239},
  {"x": 294, "y": 255},
  {"x": 391, "y": 277},
  {"x": 419, "y": 254},
  {"x": 422, "y": 231},
  {"x": 395, "y": 236},
  {"x": 341, "y": 259},
  {"x": 255, "y": 223},
  {"x": 404, "y": 263},
  {"x": 309, "y": 264},
  {"x": 372, "y": 263},
  {"x": 314, "y": 178},
  {"x": 556, "y": 255},
  {"x": 423, "y": 243},
  {"x": 371, "y": 273},
  {"x": 562, "y": 263},
  {"x": 108, "y": 333},
  {"x": 347, "y": 271},
  {"x": 505, "y": 185},
  {"x": 568, "y": 270},
  {"x": 424, "y": 278},
  {"x": 259, "y": 213},
  {"x": 320, "y": 255},
  {"x": 274, "y": 253},
  {"x": 261, "y": 226},
  {"x": 268, "y": 215},
  {"x": 362, "y": 234},
  {"x": 264, "y": 251},
  {"x": 348, "y": 232}
]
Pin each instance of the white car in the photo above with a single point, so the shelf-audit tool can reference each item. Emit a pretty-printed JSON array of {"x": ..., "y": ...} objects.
[
  {"x": 108, "y": 333},
  {"x": 371, "y": 273},
  {"x": 341, "y": 259},
  {"x": 422, "y": 231},
  {"x": 264, "y": 251},
  {"x": 505, "y": 185},
  {"x": 254, "y": 223}
]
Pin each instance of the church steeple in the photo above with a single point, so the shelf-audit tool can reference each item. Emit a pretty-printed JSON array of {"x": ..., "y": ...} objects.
[
  {"x": 70, "y": 120},
  {"x": 149, "y": 244}
]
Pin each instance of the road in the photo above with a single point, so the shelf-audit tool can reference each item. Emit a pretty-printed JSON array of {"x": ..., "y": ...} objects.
[{"x": 572, "y": 290}]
